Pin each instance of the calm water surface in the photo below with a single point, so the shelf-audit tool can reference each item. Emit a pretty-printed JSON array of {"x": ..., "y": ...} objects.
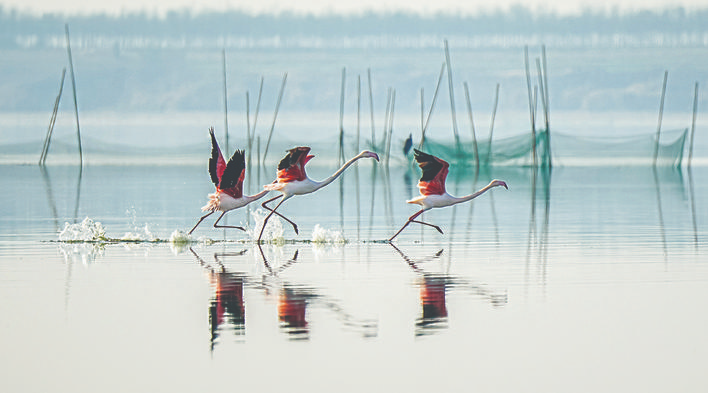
[{"x": 581, "y": 280}]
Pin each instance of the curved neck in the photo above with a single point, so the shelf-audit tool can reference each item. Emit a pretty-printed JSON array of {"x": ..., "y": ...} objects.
[
  {"x": 476, "y": 194},
  {"x": 257, "y": 196},
  {"x": 335, "y": 175}
]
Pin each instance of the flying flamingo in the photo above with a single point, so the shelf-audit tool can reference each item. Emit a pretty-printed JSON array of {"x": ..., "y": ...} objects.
[
  {"x": 432, "y": 188},
  {"x": 292, "y": 179},
  {"x": 228, "y": 179}
]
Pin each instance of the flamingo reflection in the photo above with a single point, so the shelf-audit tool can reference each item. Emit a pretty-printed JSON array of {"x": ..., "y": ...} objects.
[
  {"x": 295, "y": 300},
  {"x": 433, "y": 291},
  {"x": 227, "y": 303}
]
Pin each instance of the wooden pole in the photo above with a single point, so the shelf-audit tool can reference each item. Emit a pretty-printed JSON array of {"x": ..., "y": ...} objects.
[
  {"x": 390, "y": 126},
  {"x": 661, "y": 114},
  {"x": 275, "y": 116},
  {"x": 341, "y": 117},
  {"x": 73, "y": 85},
  {"x": 693, "y": 124},
  {"x": 452, "y": 97},
  {"x": 432, "y": 105},
  {"x": 258, "y": 108},
  {"x": 226, "y": 106},
  {"x": 532, "y": 113},
  {"x": 544, "y": 160},
  {"x": 474, "y": 133},
  {"x": 371, "y": 111},
  {"x": 491, "y": 125},
  {"x": 358, "y": 110},
  {"x": 52, "y": 121},
  {"x": 548, "y": 107}
]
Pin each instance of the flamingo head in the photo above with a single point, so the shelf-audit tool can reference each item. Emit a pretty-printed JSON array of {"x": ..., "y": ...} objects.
[
  {"x": 369, "y": 154},
  {"x": 496, "y": 183}
]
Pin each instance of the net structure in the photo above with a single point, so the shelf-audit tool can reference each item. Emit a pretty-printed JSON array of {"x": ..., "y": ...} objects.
[{"x": 564, "y": 149}]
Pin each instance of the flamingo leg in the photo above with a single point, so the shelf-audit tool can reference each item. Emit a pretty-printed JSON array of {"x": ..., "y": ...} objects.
[
  {"x": 200, "y": 221},
  {"x": 413, "y": 219},
  {"x": 225, "y": 226},
  {"x": 273, "y": 211}
]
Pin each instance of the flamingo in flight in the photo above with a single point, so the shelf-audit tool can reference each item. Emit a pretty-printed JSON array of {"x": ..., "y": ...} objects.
[
  {"x": 292, "y": 179},
  {"x": 432, "y": 188},
  {"x": 228, "y": 179}
]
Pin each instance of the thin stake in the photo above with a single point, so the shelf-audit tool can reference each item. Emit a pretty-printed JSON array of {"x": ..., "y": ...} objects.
[
  {"x": 661, "y": 114},
  {"x": 491, "y": 125},
  {"x": 341, "y": 117},
  {"x": 474, "y": 133},
  {"x": 452, "y": 97},
  {"x": 532, "y": 104},
  {"x": 226, "y": 106},
  {"x": 693, "y": 124},
  {"x": 432, "y": 105},
  {"x": 258, "y": 108},
  {"x": 390, "y": 127},
  {"x": 548, "y": 107},
  {"x": 388, "y": 108},
  {"x": 52, "y": 121},
  {"x": 275, "y": 116},
  {"x": 371, "y": 110},
  {"x": 358, "y": 110},
  {"x": 544, "y": 107},
  {"x": 73, "y": 85}
]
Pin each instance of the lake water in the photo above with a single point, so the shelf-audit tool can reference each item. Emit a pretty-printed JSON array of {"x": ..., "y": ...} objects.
[
  {"x": 592, "y": 276},
  {"x": 580, "y": 279}
]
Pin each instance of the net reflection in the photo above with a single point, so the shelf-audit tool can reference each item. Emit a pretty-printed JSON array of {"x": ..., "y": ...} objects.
[{"x": 433, "y": 293}]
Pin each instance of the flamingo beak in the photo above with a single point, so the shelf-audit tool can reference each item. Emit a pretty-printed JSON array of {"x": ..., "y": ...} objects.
[
  {"x": 374, "y": 156},
  {"x": 504, "y": 184}
]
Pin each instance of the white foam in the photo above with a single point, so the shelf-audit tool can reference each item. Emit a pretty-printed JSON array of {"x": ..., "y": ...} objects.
[
  {"x": 85, "y": 231},
  {"x": 327, "y": 236}
]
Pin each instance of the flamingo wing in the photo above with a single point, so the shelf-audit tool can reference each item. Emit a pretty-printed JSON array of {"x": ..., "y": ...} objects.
[
  {"x": 432, "y": 182},
  {"x": 232, "y": 179},
  {"x": 292, "y": 166},
  {"x": 217, "y": 164}
]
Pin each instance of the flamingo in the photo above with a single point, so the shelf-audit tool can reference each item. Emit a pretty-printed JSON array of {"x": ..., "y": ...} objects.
[
  {"x": 292, "y": 179},
  {"x": 228, "y": 179},
  {"x": 432, "y": 189}
]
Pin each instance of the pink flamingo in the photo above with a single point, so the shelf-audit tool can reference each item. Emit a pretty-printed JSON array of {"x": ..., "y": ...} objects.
[
  {"x": 432, "y": 189},
  {"x": 292, "y": 179},
  {"x": 228, "y": 179}
]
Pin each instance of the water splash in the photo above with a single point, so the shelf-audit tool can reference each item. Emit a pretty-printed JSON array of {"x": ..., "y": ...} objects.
[
  {"x": 273, "y": 232},
  {"x": 327, "y": 236},
  {"x": 139, "y": 236},
  {"x": 85, "y": 231}
]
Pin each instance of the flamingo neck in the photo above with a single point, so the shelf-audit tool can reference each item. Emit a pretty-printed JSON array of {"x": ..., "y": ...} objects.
[
  {"x": 257, "y": 196},
  {"x": 476, "y": 194},
  {"x": 335, "y": 175}
]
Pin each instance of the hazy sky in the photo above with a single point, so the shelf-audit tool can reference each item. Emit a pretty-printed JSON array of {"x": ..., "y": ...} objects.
[{"x": 337, "y": 6}]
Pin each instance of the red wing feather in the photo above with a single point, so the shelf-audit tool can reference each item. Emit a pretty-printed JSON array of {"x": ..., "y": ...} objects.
[
  {"x": 432, "y": 181},
  {"x": 232, "y": 179},
  {"x": 217, "y": 164},
  {"x": 292, "y": 166}
]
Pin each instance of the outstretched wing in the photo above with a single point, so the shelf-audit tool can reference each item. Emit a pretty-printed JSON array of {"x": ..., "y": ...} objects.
[
  {"x": 232, "y": 179},
  {"x": 292, "y": 166},
  {"x": 432, "y": 182},
  {"x": 217, "y": 165}
]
